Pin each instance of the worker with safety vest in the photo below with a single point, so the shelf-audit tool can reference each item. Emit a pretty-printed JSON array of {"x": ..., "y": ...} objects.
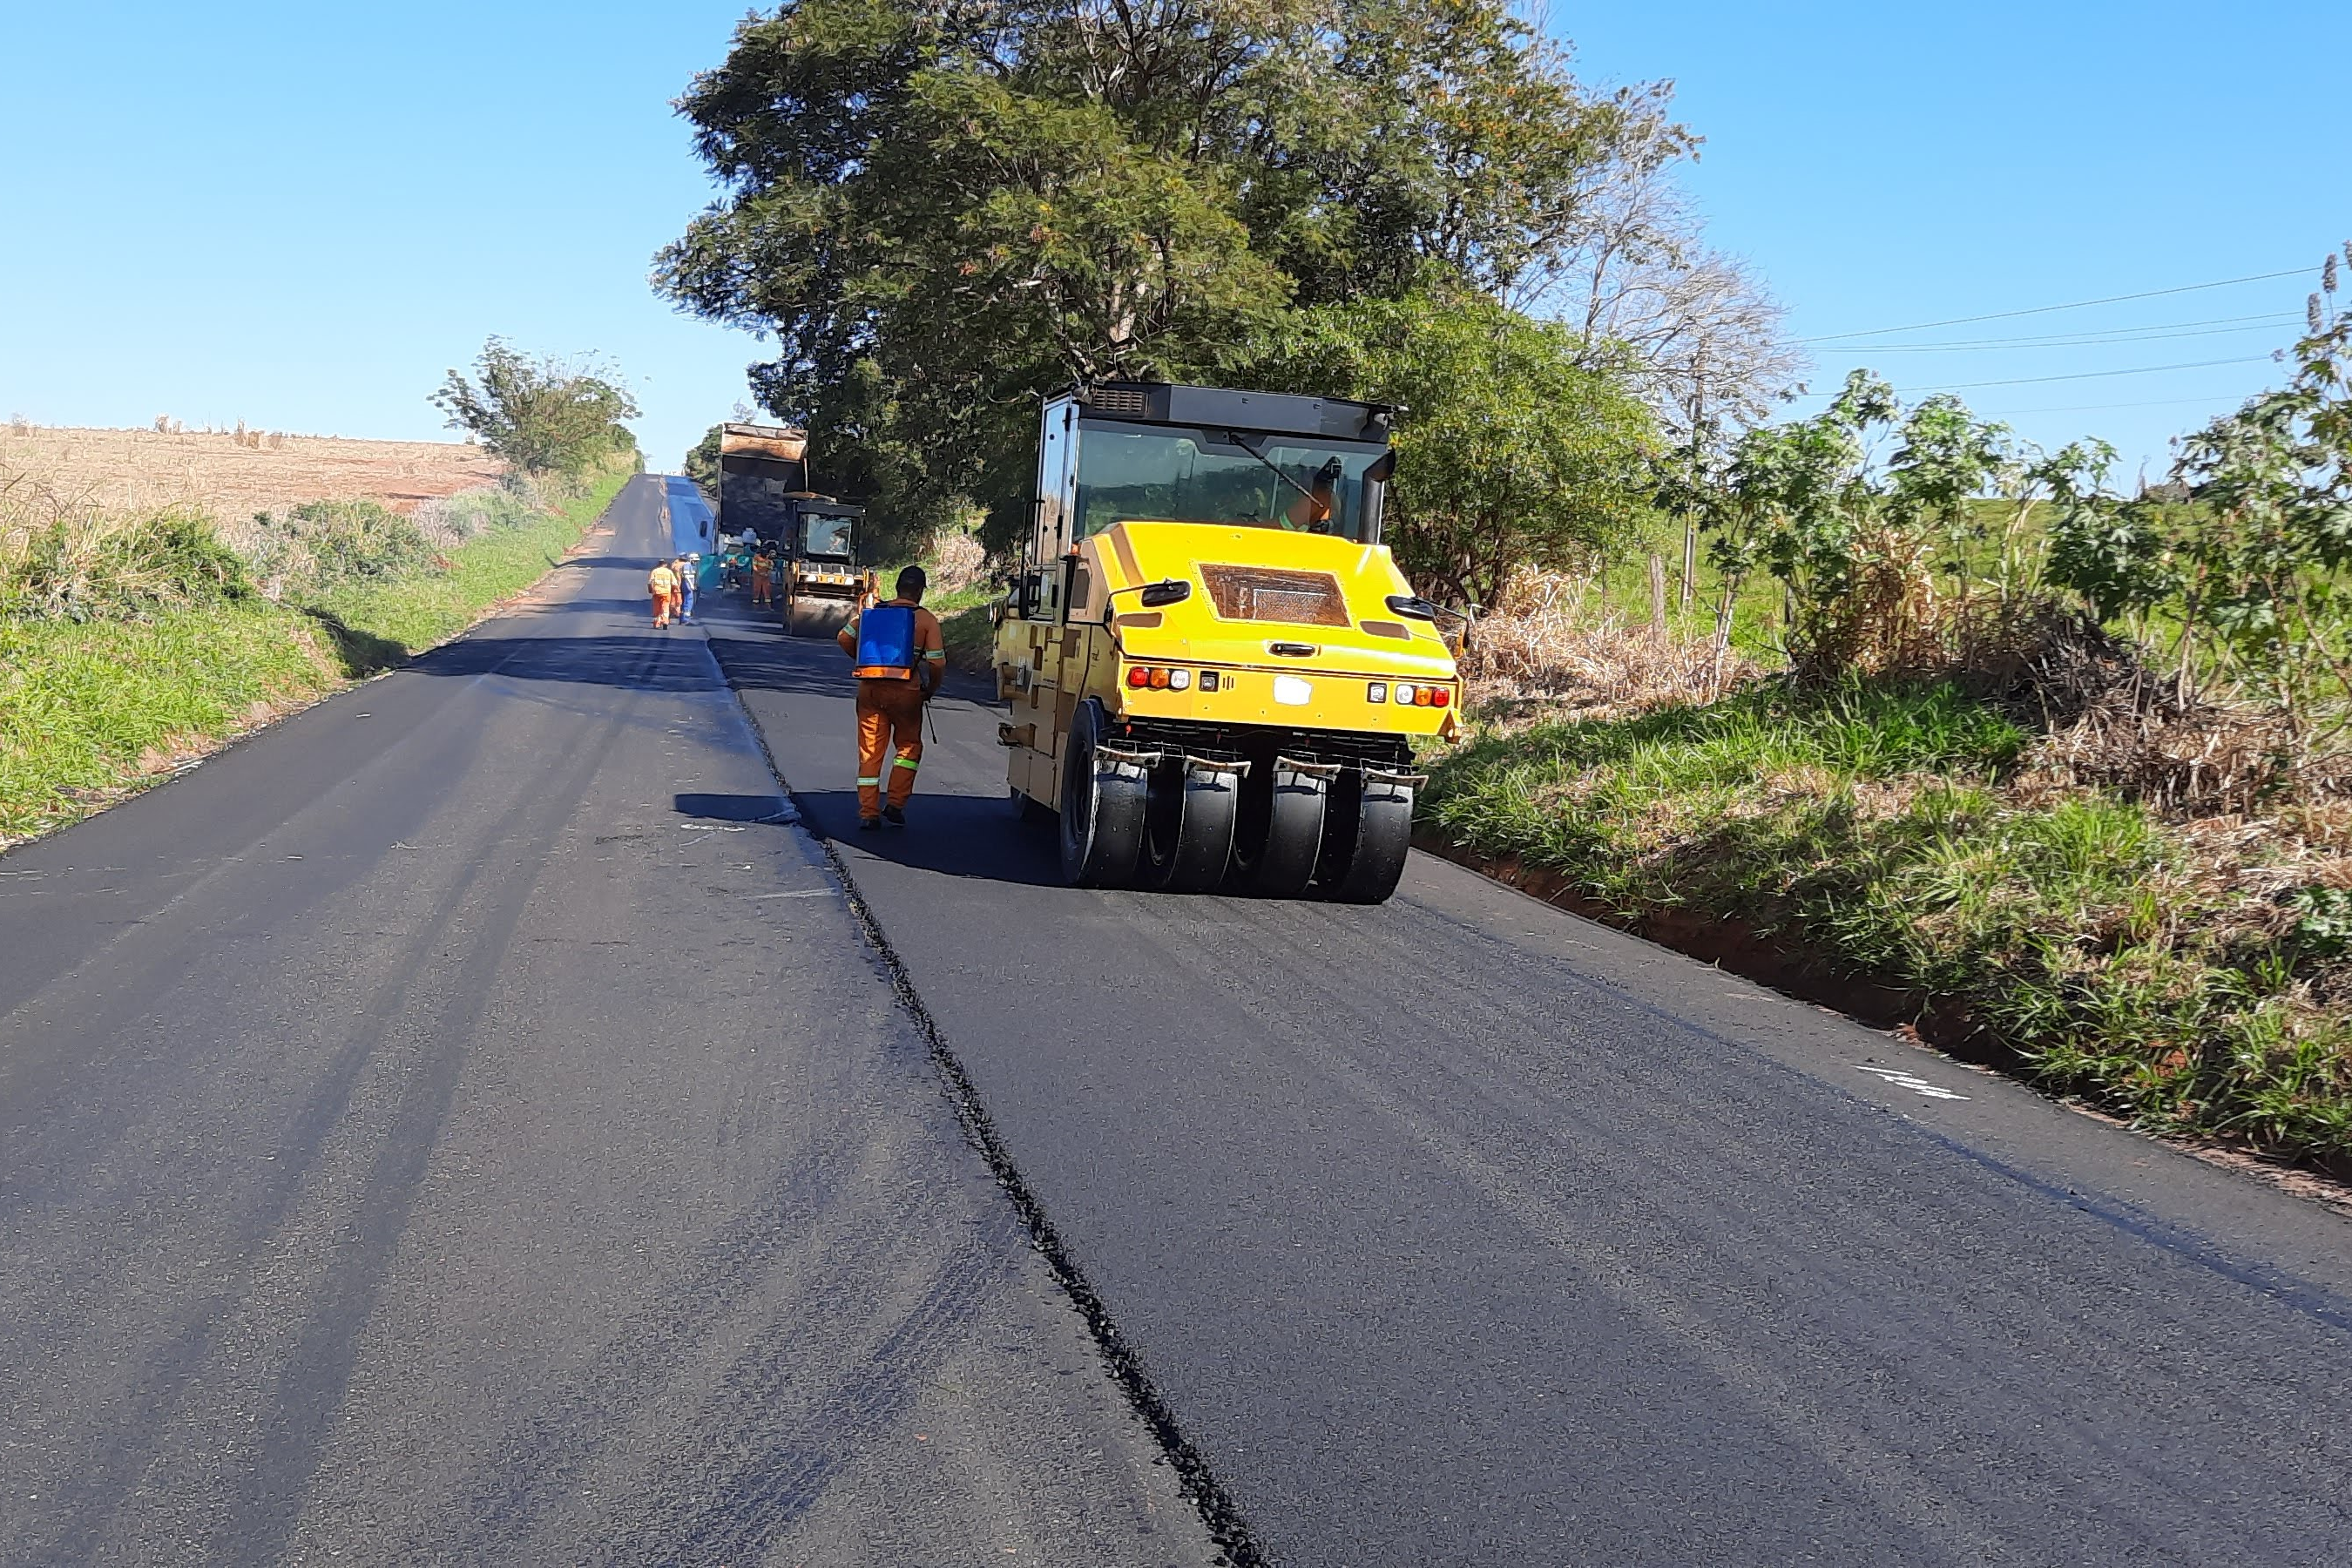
[
  {"x": 763, "y": 567},
  {"x": 899, "y": 657},
  {"x": 662, "y": 584}
]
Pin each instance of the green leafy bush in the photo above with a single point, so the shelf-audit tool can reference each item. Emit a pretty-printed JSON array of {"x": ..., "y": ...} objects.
[{"x": 74, "y": 562}]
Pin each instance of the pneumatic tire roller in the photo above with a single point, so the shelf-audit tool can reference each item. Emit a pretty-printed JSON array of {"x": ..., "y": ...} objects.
[{"x": 1217, "y": 672}]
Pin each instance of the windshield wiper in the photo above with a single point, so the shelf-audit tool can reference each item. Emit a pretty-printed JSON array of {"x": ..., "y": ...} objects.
[{"x": 1321, "y": 506}]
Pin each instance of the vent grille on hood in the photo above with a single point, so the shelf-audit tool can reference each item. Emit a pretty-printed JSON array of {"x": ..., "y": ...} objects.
[
  {"x": 1119, "y": 400},
  {"x": 1264, "y": 594}
]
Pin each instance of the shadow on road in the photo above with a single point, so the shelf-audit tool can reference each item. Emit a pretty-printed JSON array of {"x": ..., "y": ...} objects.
[
  {"x": 805, "y": 667},
  {"x": 362, "y": 653},
  {"x": 953, "y": 834},
  {"x": 649, "y": 662},
  {"x": 733, "y": 808}
]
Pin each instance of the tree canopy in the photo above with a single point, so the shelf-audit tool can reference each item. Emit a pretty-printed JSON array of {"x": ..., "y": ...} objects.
[
  {"x": 1516, "y": 451},
  {"x": 943, "y": 209},
  {"x": 543, "y": 414}
]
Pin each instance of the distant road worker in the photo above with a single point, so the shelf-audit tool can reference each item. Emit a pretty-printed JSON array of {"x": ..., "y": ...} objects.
[
  {"x": 899, "y": 659},
  {"x": 763, "y": 574},
  {"x": 662, "y": 584},
  {"x": 689, "y": 567}
]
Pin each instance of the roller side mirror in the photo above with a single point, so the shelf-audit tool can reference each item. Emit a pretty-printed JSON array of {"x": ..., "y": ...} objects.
[{"x": 1171, "y": 592}]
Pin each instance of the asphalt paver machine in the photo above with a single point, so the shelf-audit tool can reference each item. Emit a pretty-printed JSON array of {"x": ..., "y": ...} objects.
[{"x": 1217, "y": 674}]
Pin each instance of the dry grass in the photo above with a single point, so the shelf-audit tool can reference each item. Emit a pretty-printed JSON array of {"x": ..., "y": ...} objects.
[
  {"x": 955, "y": 561},
  {"x": 234, "y": 474},
  {"x": 1549, "y": 642},
  {"x": 65, "y": 557}
]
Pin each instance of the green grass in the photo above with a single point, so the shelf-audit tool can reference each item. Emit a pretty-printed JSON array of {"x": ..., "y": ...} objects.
[
  {"x": 412, "y": 613},
  {"x": 1877, "y": 832},
  {"x": 963, "y": 621},
  {"x": 91, "y": 711},
  {"x": 81, "y": 703}
]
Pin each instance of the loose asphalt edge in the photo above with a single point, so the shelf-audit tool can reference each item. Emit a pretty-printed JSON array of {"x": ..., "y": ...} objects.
[{"x": 1219, "y": 1514}]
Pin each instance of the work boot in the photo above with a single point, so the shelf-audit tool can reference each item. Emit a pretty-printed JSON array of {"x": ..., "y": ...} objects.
[
  {"x": 894, "y": 817},
  {"x": 868, "y": 824}
]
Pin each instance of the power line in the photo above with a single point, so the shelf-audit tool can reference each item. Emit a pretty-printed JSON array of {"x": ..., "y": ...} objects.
[
  {"x": 2092, "y": 375},
  {"x": 2089, "y": 331},
  {"x": 2076, "y": 340},
  {"x": 2078, "y": 375},
  {"x": 2102, "y": 407},
  {"x": 2075, "y": 305}
]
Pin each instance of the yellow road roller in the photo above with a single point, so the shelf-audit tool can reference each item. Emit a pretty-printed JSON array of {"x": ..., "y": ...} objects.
[
  {"x": 821, "y": 586},
  {"x": 1217, "y": 672}
]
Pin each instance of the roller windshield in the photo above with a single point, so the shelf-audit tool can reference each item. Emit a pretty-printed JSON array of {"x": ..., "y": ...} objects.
[
  {"x": 1297, "y": 483},
  {"x": 824, "y": 534}
]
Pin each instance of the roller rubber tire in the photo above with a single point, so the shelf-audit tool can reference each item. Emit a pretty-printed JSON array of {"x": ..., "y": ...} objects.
[
  {"x": 1102, "y": 817},
  {"x": 1188, "y": 837},
  {"x": 1281, "y": 864},
  {"x": 1367, "y": 835}
]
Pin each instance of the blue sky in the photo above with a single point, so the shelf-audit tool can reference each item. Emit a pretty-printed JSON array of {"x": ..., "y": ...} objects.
[
  {"x": 301, "y": 216},
  {"x": 1889, "y": 164}
]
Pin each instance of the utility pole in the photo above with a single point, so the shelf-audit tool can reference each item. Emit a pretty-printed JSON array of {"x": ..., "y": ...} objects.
[{"x": 1690, "y": 496}]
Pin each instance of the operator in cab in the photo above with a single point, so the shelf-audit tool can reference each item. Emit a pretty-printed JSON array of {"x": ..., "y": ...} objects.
[
  {"x": 1312, "y": 511},
  {"x": 899, "y": 657}
]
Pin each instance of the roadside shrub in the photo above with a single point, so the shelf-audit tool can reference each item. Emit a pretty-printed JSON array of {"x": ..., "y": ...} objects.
[
  {"x": 73, "y": 561},
  {"x": 957, "y": 560},
  {"x": 448, "y": 521},
  {"x": 1546, "y": 642},
  {"x": 326, "y": 544}
]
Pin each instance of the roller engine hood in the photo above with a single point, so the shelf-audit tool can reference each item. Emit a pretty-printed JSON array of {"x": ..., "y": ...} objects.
[{"x": 1253, "y": 587}]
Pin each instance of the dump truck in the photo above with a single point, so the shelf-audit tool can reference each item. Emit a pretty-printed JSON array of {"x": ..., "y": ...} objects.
[
  {"x": 761, "y": 468},
  {"x": 1217, "y": 675},
  {"x": 820, "y": 586}
]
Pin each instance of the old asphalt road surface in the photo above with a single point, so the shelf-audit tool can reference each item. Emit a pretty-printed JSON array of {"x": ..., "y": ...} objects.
[
  {"x": 1458, "y": 1231},
  {"x": 465, "y": 1124}
]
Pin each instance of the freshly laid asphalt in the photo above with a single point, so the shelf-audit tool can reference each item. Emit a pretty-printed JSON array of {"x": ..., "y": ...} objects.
[
  {"x": 473, "y": 1122},
  {"x": 1460, "y": 1230},
  {"x": 463, "y": 1123}
]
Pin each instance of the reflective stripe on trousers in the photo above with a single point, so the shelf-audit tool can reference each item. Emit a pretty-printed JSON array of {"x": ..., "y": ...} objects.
[{"x": 889, "y": 720}]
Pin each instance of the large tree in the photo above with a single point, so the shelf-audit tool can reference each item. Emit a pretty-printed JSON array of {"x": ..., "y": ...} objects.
[
  {"x": 542, "y": 414},
  {"x": 942, "y": 210},
  {"x": 1516, "y": 451}
]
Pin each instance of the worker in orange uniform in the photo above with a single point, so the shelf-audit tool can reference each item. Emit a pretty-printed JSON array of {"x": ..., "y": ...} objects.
[
  {"x": 763, "y": 574},
  {"x": 899, "y": 659},
  {"x": 662, "y": 584}
]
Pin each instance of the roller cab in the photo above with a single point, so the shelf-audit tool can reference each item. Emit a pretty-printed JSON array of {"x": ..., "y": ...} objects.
[
  {"x": 1216, "y": 673},
  {"x": 821, "y": 586}
]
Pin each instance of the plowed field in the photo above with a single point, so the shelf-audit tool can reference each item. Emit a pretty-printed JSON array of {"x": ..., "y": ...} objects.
[{"x": 234, "y": 478}]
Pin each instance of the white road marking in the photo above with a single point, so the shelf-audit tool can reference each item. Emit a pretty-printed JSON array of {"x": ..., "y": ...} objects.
[
  {"x": 804, "y": 893},
  {"x": 1911, "y": 1081}
]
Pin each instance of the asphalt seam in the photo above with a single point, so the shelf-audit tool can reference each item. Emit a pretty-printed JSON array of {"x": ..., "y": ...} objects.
[{"x": 1219, "y": 1515}]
